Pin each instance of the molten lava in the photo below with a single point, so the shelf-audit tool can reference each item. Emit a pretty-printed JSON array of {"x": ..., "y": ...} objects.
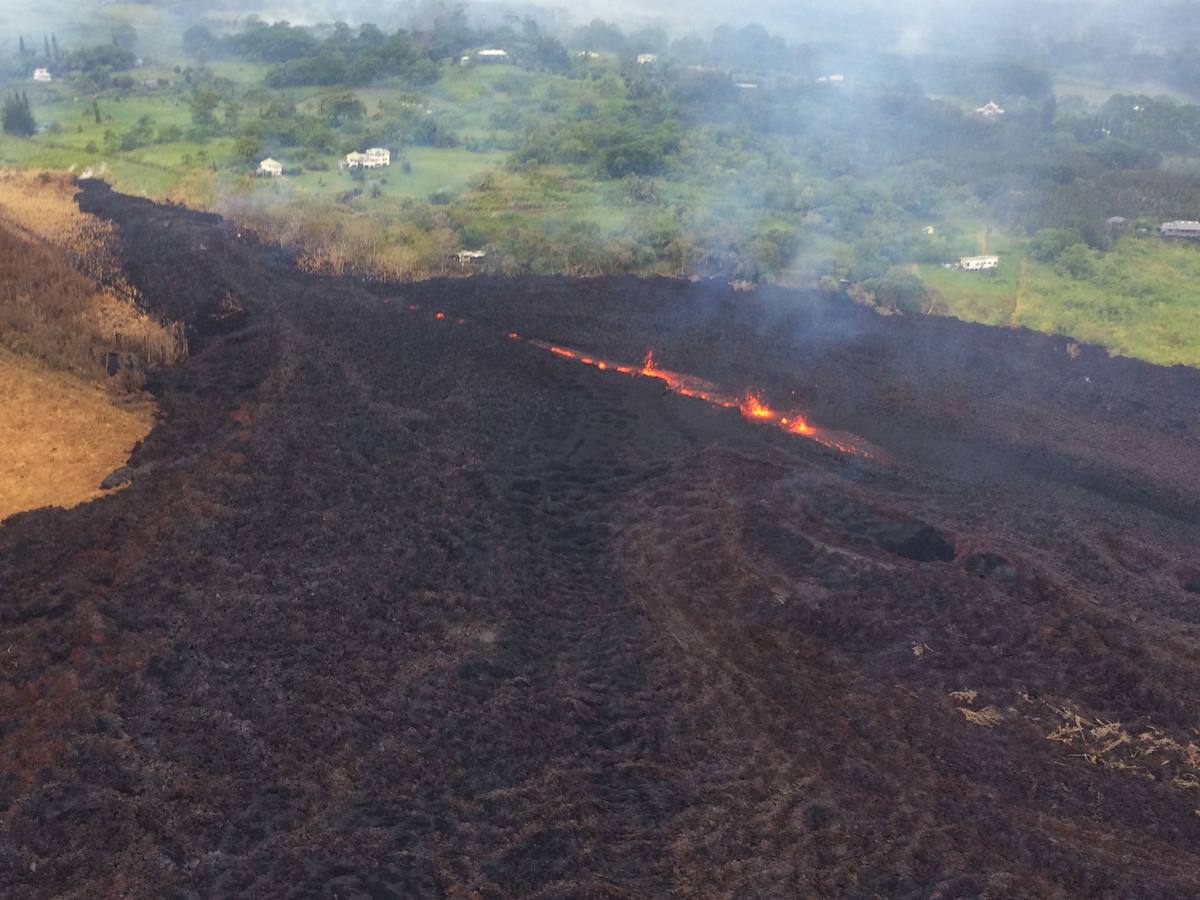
[
  {"x": 796, "y": 425},
  {"x": 751, "y": 404},
  {"x": 753, "y": 408}
]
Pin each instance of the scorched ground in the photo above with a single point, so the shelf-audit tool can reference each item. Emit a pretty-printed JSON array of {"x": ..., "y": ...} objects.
[{"x": 397, "y": 604}]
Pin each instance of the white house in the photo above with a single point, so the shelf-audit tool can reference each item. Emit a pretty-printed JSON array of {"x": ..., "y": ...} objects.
[
  {"x": 468, "y": 258},
  {"x": 493, "y": 56},
  {"x": 990, "y": 111},
  {"x": 378, "y": 157},
  {"x": 270, "y": 167},
  {"x": 831, "y": 79},
  {"x": 42, "y": 75},
  {"x": 978, "y": 263},
  {"x": 647, "y": 59},
  {"x": 746, "y": 85},
  {"x": 1181, "y": 230},
  {"x": 375, "y": 158}
]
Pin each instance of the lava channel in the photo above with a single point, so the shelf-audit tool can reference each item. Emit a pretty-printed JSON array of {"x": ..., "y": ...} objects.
[{"x": 750, "y": 404}]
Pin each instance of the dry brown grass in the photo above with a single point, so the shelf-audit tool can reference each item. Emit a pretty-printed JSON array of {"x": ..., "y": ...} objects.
[
  {"x": 53, "y": 263},
  {"x": 1146, "y": 752},
  {"x": 986, "y": 717},
  {"x": 329, "y": 240},
  {"x": 59, "y": 436}
]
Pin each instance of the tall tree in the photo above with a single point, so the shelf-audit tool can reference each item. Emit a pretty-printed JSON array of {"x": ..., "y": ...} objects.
[
  {"x": 21, "y": 46},
  {"x": 46, "y": 45},
  {"x": 54, "y": 47},
  {"x": 17, "y": 116},
  {"x": 204, "y": 105}
]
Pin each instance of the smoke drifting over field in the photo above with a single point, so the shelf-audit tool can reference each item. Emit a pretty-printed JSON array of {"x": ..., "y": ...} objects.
[{"x": 908, "y": 24}]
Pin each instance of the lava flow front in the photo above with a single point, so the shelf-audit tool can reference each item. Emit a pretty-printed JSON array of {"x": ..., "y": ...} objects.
[{"x": 751, "y": 404}]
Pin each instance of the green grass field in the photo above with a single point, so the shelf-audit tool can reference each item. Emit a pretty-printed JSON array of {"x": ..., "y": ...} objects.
[
  {"x": 1143, "y": 299},
  {"x": 432, "y": 170},
  {"x": 1140, "y": 300}
]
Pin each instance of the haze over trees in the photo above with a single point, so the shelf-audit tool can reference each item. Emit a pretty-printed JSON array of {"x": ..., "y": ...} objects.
[{"x": 738, "y": 151}]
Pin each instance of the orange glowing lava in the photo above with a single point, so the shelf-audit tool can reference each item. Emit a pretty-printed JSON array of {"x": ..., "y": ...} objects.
[
  {"x": 797, "y": 425},
  {"x": 753, "y": 407},
  {"x": 751, "y": 404}
]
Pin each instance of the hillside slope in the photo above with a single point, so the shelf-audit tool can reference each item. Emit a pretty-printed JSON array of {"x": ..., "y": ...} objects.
[
  {"x": 59, "y": 436},
  {"x": 400, "y": 605}
]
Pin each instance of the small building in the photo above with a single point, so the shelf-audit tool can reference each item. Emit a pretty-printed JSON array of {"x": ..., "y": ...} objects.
[
  {"x": 588, "y": 55},
  {"x": 1188, "y": 230},
  {"x": 990, "y": 111},
  {"x": 929, "y": 230},
  {"x": 272, "y": 168},
  {"x": 978, "y": 263},
  {"x": 492, "y": 56},
  {"x": 831, "y": 79},
  {"x": 469, "y": 258},
  {"x": 746, "y": 85},
  {"x": 647, "y": 59},
  {"x": 42, "y": 75}
]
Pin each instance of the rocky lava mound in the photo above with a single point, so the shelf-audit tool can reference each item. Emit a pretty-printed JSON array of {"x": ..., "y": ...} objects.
[{"x": 398, "y": 606}]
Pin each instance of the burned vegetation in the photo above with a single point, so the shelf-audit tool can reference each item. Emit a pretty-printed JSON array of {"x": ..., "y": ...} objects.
[{"x": 400, "y": 603}]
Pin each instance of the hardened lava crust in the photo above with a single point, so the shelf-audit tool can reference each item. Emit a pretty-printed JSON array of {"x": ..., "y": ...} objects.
[{"x": 398, "y": 603}]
